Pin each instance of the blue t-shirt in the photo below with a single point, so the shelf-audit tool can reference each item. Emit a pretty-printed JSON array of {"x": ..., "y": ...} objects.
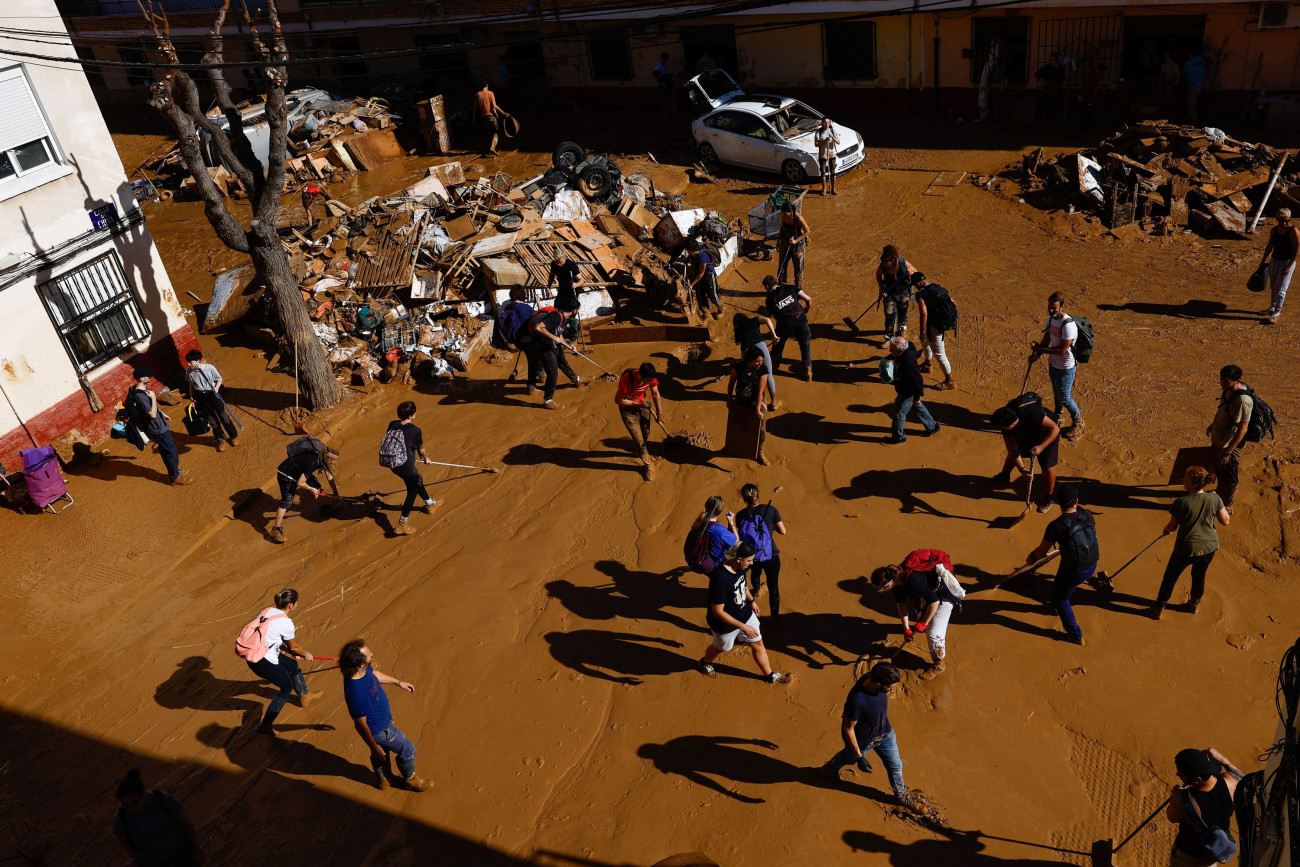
[
  {"x": 366, "y": 698},
  {"x": 1194, "y": 72},
  {"x": 870, "y": 714},
  {"x": 707, "y": 261},
  {"x": 721, "y": 540}
]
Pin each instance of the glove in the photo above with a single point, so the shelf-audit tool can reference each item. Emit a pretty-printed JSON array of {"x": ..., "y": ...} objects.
[
  {"x": 864, "y": 764},
  {"x": 920, "y": 627}
]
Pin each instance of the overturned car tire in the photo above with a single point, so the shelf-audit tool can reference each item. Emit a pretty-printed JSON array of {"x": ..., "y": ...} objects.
[
  {"x": 567, "y": 155},
  {"x": 597, "y": 182}
]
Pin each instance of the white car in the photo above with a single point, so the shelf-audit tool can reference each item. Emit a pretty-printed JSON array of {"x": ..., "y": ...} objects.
[{"x": 761, "y": 131}]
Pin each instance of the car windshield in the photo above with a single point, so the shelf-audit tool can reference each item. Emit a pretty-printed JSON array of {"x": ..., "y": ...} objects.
[
  {"x": 794, "y": 120},
  {"x": 716, "y": 83}
]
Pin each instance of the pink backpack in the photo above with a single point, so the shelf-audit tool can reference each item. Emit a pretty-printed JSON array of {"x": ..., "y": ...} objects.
[{"x": 251, "y": 643}]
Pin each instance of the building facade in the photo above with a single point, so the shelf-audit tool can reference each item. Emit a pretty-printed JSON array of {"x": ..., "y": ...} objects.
[{"x": 83, "y": 292}]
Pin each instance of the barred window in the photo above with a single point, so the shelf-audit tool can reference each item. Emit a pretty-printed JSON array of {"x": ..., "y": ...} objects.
[{"x": 95, "y": 311}]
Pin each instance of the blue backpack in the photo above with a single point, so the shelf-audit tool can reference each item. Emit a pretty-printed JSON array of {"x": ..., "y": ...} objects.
[
  {"x": 754, "y": 530},
  {"x": 513, "y": 320}
]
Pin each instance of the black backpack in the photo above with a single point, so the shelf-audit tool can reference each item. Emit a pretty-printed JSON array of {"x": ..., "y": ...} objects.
[
  {"x": 1262, "y": 420},
  {"x": 940, "y": 306},
  {"x": 1080, "y": 546},
  {"x": 135, "y": 410},
  {"x": 304, "y": 446}
]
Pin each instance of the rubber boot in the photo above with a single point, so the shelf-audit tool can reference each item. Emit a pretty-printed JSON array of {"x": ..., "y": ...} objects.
[{"x": 265, "y": 727}]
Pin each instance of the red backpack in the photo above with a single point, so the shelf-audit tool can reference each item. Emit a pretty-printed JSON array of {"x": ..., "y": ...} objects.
[
  {"x": 925, "y": 559},
  {"x": 251, "y": 643},
  {"x": 537, "y": 317}
]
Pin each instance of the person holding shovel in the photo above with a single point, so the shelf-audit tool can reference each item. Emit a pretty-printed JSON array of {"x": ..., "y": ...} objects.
[
  {"x": 634, "y": 386},
  {"x": 924, "y": 599},
  {"x": 1227, "y": 432},
  {"x": 297, "y": 472},
  {"x": 909, "y": 387},
  {"x": 792, "y": 243},
  {"x": 1283, "y": 244},
  {"x": 368, "y": 706},
  {"x": 894, "y": 279},
  {"x": 547, "y": 345},
  {"x": 404, "y": 441},
  {"x": 1193, "y": 517},
  {"x": 279, "y": 664},
  {"x": 865, "y": 727},
  {"x": 732, "y": 615},
  {"x": 745, "y": 393},
  {"x": 1029, "y": 431},
  {"x": 1075, "y": 534},
  {"x": 205, "y": 390},
  {"x": 1204, "y": 800},
  {"x": 790, "y": 305}
]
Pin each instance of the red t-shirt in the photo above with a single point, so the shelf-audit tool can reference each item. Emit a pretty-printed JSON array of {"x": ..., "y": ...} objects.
[{"x": 628, "y": 391}]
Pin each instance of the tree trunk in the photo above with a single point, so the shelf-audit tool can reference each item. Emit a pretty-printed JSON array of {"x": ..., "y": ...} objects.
[{"x": 315, "y": 376}]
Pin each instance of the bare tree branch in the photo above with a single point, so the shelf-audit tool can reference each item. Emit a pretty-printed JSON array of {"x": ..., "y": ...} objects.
[{"x": 277, "y": 78}]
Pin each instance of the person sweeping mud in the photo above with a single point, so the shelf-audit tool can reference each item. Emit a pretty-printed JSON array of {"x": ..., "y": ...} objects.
[
  {"x": 363, "y": 692},
  {"x": 546, "y": 347},
  {"x": 865, "y": 727},
  {"x": 1057, "y": 343},
  {"x": 401, "y": 447},
  {"x": 1193, "y": 517},
  {"x": 792, "y": 244},
  {"x": 732, "y": 615},
  {"x": 789, "y": 305},
  {"x": 745, "y": 393},
  {"x": 205, "y": 390},
  {"x": 894, "y": 280},
  {"x": 925, "y": 602},
  {"x": 1029, "y": 431},
  {"x": 268, "y": 644},
  {"x": 938, "y": 314},
  {"x": 1075, "y": 534},
  {"x": 634, "y": 387},
  {"x": 297, "y": 472}
]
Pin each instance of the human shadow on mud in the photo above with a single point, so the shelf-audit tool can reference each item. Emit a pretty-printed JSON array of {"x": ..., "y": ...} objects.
[
  {"x": 707, "y": 372},
  {"x": 1037, "y": 587},
  {"x": 253, "y": 752},
  {"x": 462, "y": 391},
  {"x": 907, "y": 485},
  {"x": 193, "y": 686},
  {"x": 143, "y": 465},
  {"x": 700, "y": 758},
  {"x": 809, "y": 427},
  {"x": 680, "y": 453},
  {"x": 256, "y": 398},
  {"x": 954, "y": 415},
  {"x": 1196, "y": 308},
  {"x": 531, "y": 454},
  {"x": 632, "y": 596},
  {"x": 821, "y": 640},
  {"x": 866, "y": 335},
  {"x": 973, "y": 610},
  {"x": 958, "y": 848},
  {"x": 596, "y": 652},
  {"x": 1095, "y": 494}
]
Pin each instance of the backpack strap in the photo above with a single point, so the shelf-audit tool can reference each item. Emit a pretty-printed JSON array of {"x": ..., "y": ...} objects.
[{"x": 1193, "y": 812}]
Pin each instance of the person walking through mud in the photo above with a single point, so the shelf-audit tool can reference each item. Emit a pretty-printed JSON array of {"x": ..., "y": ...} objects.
[
  {"x": 1075, "y": 534},
  {"x": 297, "y": 472},
  {"x": 721, "y": 538},
  {"x": 152, "y": 827},
  {"x": 704, "y": 283},
  {"x": 402, "y": 446},
  {"x": 1204, "y": 801},
  {"x": 925, "y": 602},
  {"x": 1227, "y": 432},
  {"x": 909, "y": 388},
  {"x": 636, "y": 390},
  {"x": 363, "y": 692},
  {"x": 487, "y": 115},
  {"x": 894, "y": 280},
  {"x": 1283, "y": 244},
  {"x": 141, "y": 406},
  {"x": 789, "y": 305},
  {"x": 864, "y": 726},
  {"x": 1030, "y": 431},
  {"x": 546, "y": 346},
  {"x": 759, "y": 525},
  {"x": 792, "y": 243},
  {"x": 269, "y": 646},
  {"x": 732, "y": 615},
  {"x": 938, "y": 314},
  {"x": 745, "y": 393},
  {"x": 827, "y": 158},
  {"x": 205, "y": 390},
  {"x": 1059, "y": 335},
  {"x": 1193, "y": 517},
  {"x": 748, "y": 331}
]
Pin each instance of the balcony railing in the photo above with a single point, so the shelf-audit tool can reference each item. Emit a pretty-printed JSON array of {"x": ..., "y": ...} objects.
[{"x": 93, "y": 8}]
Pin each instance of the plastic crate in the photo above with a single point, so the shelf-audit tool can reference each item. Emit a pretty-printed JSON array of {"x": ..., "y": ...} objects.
[{"x": 765, "y": 220}]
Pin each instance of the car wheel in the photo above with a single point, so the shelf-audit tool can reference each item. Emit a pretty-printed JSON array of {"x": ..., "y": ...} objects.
[
  {"x": 567, "y": 155},
  {"x": 595, "y": 182},
  {"x": 793, "y": 171},
  {"x": 708, "y": 154}
]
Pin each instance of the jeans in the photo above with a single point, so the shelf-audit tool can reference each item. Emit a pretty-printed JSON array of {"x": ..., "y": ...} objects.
[
  {"x": 790, "y": 251},
  {"x": 887, "y": 749},
  {"x": 767, "y": 358},
  {"x": 896, "y": 313},
  {"x": 1062, "y": 385},
  {"x": 211, "y": 405},
  {"x": 785, "y": 331},
  {"x": 414, "y": 488},
  {"x": 772, "y": 570},
  {"x": 1174, "y": 569},
  {"x": 167, "y": 448},
  {"x": 1229, "y": 473},
  {"x": 393, "y": 740},
  {"x": 934, "y": 349},
  {"x": 284, "y": 674},
  {"x": 903, "y": 406},
  {"x": 1279, "y": 279},
  {"x": 1062, "y": 589}
]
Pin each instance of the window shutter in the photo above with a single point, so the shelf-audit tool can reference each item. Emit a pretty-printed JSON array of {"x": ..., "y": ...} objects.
[{"x": 23, "y": 122}]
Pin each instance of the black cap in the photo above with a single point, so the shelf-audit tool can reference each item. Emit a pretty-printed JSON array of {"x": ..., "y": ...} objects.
[
  {"x": 918, "y": 278},
  {"x": 142, "y": 372},
  {"x": 1195, "y": 763},
  {"x": 1066, "y": 495}
]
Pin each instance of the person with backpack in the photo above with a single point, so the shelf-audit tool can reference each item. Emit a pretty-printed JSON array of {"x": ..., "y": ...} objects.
[
  {"x": 205, "y": 390},
  {"x": 789, "y": 305},
  {"x": 759, "y": 526},
  {"x": 142, "y": 411},
  {"x": 894, "y": 280},
  {"x": 634, "y": 386},
  {"x": 1202, "y": 808},
  {"x": 709, "y": 540},
  {"x": 909, "y": 388},
  {"x": 363, "y": 692},
  {"x": 748, "y": 331},
  {"x": 865, "y": 727},
  {"x": 1029, "y": 431},
  {"x": 925, "y": 593},
  {"x": 938, "y": 315},
  {"x": 297, "y": 472},
  {"x": 270, "y": 648},
  {"x": 1059, "y": 336},
  {"x": 1228, "y": 431},
  {"x": 1193, "y": 517},
  {"x": 546, "y": 345},
  {"x": 1284, "y": 245},
  {"x": 512, "y": 326},
  {"x": 732, "y": 615},
  {"x": 1075, "y": 534},
  {"x": 745, "y": 389},
  {"x": 402, "y": 446},
  {"x": 152, "y": 827}
]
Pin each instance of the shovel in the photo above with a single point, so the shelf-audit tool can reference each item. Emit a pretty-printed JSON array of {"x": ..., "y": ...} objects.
[
  {"x": 1009, "y": 523},
  {"x": 1105, "y": 580},
  {"x": 492, "y": 470},
  {"x": 1042, "y": 561},
  {"x": 853, "y": 323},
  {"x": 671, "y": 439},
  {"x": 612, "y": 376},
  {"x": 1103, "y": 851},
  {"x": 511, "y": 377}
]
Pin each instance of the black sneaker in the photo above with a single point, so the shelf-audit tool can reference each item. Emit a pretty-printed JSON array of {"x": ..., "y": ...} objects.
[
  {"x": 1044, "y": 507},
  {"x": 704, "y": 668},
  {"x": 932, "y": 431}
]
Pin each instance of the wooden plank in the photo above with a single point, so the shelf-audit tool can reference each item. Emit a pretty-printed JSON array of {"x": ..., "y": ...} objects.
[
  {"x": 1228, "y": 217},
  {"x": 1239, "y": 181},
  {"x": 743, "y": 428},
  {"x": 374, "y": 148}
]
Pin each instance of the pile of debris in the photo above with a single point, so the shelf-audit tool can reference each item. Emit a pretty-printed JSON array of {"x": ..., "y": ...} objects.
[
  {"x": 410, "y": 285},
  {"x": 1163, "y": 177},
  {"x": 329, "y": 140}
]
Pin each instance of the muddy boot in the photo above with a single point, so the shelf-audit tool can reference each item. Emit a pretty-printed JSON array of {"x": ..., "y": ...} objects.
[
  {"x": 221, "y": 445},
  {"x": 947, "y": 385},
  {"x": 762, "y": 459},
  {"x": 429, "y": 506},
  {"x": 265, "y": 727},
  {"x": 550, "y": 404},
  {"x": 778, "y": 677},
  {"x": 403, "y": 528},
  {"x": 924, "y": 367},
  {"x": 381, "y": 778},
  {"x": 934, "y": 670},
  {"x": 277, "y": 535},
  {"x": 807, "y": 372},
  {"x": 414, "y": 783},
  {"x": 1074, "y": 431},
  {"x": 1193, "y": 605},
  {"x": 234, "y": 442},
  {"x": 183, "y": 479},
  {"x": 773, "y": 405},
  {"x": 308, "y": 699}
]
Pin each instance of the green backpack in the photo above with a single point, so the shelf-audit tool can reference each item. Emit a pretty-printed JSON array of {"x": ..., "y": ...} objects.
[{"x": 1082, "y": 348}]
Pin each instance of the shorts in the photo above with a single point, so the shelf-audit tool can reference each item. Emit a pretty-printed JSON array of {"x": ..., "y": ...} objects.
[
  {"x": 289, "y": 488},
  {"x": 724, "y": 641},
  {"x": 1047, "y": 457}
]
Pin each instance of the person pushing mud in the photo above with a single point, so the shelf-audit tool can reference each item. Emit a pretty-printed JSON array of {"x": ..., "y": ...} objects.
[
  {"x": 922, "y": 589},
  {"x": 636, "y": 390},
  {"x": 297, "y": 472}
]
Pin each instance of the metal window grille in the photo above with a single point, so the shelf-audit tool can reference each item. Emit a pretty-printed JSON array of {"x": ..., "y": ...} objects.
[
  {"x": 95, "y": 311},
  {"x": 849, "y": 51},
  {"x": 1082, "y": 44}
]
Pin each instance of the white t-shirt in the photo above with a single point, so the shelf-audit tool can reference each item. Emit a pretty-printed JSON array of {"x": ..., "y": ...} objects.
[
  {"x": 826, "y": 141},
  {"x": 1060, "y": 329},
  {"x": 278, "y": 631}
]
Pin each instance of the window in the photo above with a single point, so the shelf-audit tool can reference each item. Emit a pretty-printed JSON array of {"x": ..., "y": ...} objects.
[
  {"x": 849, "y": 51},
  {"x": 611, "y": 56},
  {"x": 727, "y": 121},
  {"x": 136, "y": 76},
  {"x": 95, "y": 311},
  {"x": 1010, "y": 34},
  {"x": 1082, "y": 44},
  {"x": 94, "y": 74},
  {"x": 708, "y": 46},
  {"x": 1149, "y": 38},
  {"x": 26, "y": 144}
]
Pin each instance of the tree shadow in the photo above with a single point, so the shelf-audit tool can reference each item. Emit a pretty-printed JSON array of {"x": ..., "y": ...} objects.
[
  {"x": 587, "y": 651},
  {"x": 1197, "y": 308},
  {"x": 907, "y": 485},
  {"x": 700, "y": 758},
  {"x": 257, "y": 398},
  {"x": 531, "y": 454},
  {"x": 958, "y": 848}
]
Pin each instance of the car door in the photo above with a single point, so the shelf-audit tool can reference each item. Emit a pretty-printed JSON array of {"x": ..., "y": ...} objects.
[
  {"x": 760, "y": 145},
  {"x": 722, "y": 129}
]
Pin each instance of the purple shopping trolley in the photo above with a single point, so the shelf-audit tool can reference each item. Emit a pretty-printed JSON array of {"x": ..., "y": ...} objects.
[{"x": 44, "y": 481}]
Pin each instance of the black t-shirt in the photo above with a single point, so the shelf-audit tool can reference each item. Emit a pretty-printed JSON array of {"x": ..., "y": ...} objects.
[
  {"x": 566, "y": 297},
  {"x": 1058, "y": 531},
  {"x": 922, "y": 588},
  {"x": 749, "y": 332},
  {"x": 414, "y": 441},
  {"x": 869, "y": 711},
  {"x": 1029, "y": 432},
  {"x": 747, "y": 382},
  {"x": 727, "y": 588},
  {"x": 154, "y": 426},
  {"x": 552, "y": 322},
  {"x": 783, "y": 301},
  {"x": 907, "y": 374},
  {"x": 770, "y": 515}
]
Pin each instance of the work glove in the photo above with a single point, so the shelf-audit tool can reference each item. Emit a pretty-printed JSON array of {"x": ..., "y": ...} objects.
[{"x": 864, "y": 764}]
